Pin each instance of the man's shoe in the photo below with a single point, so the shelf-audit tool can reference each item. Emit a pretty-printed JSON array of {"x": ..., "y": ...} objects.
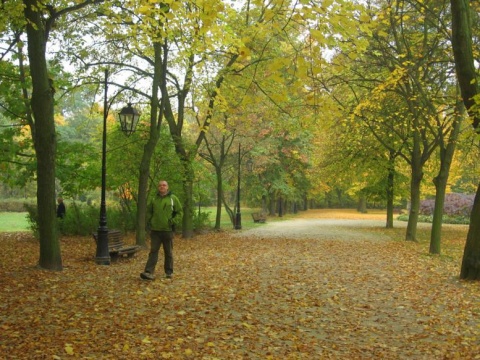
[
  {"x": 146, "y": 276},
  {"x": 168, "y": 276}
]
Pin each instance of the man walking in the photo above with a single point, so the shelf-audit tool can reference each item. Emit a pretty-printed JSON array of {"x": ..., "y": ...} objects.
[{"x": 164, "y": 211}]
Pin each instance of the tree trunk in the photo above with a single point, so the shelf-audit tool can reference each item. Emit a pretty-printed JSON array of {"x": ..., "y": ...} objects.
[
  {"x": 436, "y": 234},
  {"x": 44, "y": 138},
  {"x": 417, "y": 175},
  {"x": 446, "y": 155},
  {"x": 390, "y": 191},
  {"x": 471, "y": 255},
  {"x": 228, "y": 209},
  {"x": 416, "y": 166},
  {"x": 264, "y": 203},
  {"x": 362, "y": 203},
  {"x": 339, "y": 194},
  {"x": 467, "y": 78},
  {"x": 218, "y": 217},
  {"x": 280, "y": 206},
  {"x": 156, "y": 117},
  {"x": 188, "y": 205},
  {"x": 144, "y": 175},
  {"x": 272, "y": 204},
  {"x": 464, "y": 59}
]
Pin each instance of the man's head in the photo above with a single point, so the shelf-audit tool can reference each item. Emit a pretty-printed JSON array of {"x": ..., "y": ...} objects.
[{"x": 163, "y": 187}]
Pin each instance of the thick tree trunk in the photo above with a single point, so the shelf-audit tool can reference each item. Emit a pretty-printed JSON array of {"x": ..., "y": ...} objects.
[
  {"x": 272, "y": 204},
  {"x": 471, "y": 255},
  {"x": 44, "y": 138},
  {"x": 464, "y": 59},
  {"x": 446, "y": 155},
  {"x": 156, "y": 116},
  {"x": 362, "y": 203},
  {"x": 416, "y": 166},
  {"x": 144, "y": 175},
  {"x": 411, "y": 233},
  {"x": 467, "y": 78},
  {"x": 436, "y": 234}
]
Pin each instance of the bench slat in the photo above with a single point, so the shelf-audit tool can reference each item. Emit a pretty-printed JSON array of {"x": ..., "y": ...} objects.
[
  {"x": 259, "y": 217},
  {"x": 116, "y": 246}
]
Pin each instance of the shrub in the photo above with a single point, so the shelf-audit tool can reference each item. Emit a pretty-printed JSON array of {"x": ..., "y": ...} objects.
[
  {"x": 447, "y": 219},
  {"x": 16, "y": 205},
  {"x": 455, "y": 205},
  {"x": 457, "y": 220},
  {"x": 201, "y": 221},
  {"x": 32, "y": 218},
  {"x": 80, "y": 219},
  {"x": 83, "y": 219},
  {"x": 456, "y": 210}
]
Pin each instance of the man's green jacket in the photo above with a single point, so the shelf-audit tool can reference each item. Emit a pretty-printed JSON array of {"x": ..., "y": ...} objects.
[{"x": 164, "y": 212}]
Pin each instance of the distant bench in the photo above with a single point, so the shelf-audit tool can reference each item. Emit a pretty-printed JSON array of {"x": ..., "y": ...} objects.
[
  {"x": 259, "y": 217},
  {"x": 116, "y": 246}
]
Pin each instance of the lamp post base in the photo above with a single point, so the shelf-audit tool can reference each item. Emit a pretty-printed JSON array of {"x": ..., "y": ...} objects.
[
  {"x": 102, "y": 260},
  {"x": 238, "y": 221},
  {"x": 102, "y": 257}
]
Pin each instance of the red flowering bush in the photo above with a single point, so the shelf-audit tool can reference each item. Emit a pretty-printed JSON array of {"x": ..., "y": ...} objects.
[{"x": 455, "y": 205}]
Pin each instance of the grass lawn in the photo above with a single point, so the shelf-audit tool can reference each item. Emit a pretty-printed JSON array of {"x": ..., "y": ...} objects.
[
  {"x": 225, "y": 223},
  {"x": 13, "y": 221}
]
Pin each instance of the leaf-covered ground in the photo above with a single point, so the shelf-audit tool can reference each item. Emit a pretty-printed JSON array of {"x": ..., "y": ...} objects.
[{"x": 244, "y": 297}]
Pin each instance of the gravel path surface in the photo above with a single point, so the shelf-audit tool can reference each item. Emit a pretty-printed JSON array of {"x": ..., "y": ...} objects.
[
  {"x": 320, "y": 229},
  {"x": 313, "y": 224}
]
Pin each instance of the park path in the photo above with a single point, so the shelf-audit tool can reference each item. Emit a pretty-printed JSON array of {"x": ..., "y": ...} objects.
[
  {"x": 325, "y": 224},
  {"x": 320, "y": 229},
  {"x": 352, "y": 288}
]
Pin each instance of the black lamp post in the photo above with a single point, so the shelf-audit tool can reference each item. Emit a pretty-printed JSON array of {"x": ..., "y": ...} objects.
[
  {"x": 280, "y": 206},
  {"x": 129, "y": 119},
  {"x": 249, "y": 164},
  {"x": 238, "y": 215}
]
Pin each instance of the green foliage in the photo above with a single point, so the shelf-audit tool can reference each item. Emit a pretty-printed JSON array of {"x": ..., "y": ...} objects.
[
  {"x": 78, "y": 167},
  {"x": 125, "y": 154},
  {"x": 201, "y": 221},
  {"x": 447, "y": 219},
  {"x": 32, "y": 218},
  {"x": 17, "y": 162},
  {"x": 83, "y": 219},
  {"x": 11, "y": 93}
]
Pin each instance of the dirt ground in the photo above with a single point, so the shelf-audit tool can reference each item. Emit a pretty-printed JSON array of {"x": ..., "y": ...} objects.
[{"x": 324, "y": 285}]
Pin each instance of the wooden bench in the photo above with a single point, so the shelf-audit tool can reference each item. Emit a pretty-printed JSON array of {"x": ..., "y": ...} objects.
[
  {"x": 116, "y": 247},
  {"x": 259, "y": 217}
]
